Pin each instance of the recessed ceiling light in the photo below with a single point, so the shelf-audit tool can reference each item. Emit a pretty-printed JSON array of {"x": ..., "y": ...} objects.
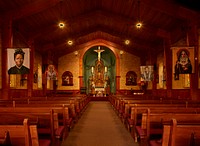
[
  {"x": 70, "y": 42},
  {"x": 61, "y": 24},
  {"x": 127, "y": 42},
  {"x": 139, "y": 25}
]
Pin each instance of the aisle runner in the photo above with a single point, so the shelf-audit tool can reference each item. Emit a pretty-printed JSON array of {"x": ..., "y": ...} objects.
[{"x": 99, "y": 126}]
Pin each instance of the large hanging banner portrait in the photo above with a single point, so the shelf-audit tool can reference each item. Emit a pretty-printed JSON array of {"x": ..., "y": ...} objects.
[
  {"x": 18, "y": 60},
  {"x": 183, "y": 61},
  {"x": 146, "y": 73}
]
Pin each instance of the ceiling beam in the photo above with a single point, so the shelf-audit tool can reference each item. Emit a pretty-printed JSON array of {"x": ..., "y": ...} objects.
[
  {"x": 135, "y": 48},
  {"x": 31, "y": 8},
  {"x": 171, "y": 8},
  {"x": 97, "y": 16},
  {"x": 92, "y": 41}
]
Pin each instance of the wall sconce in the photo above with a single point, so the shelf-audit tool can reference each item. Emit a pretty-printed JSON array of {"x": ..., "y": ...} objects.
[
  {"x": 121, "y": 53},
  {"x": 76, "y": 53}
]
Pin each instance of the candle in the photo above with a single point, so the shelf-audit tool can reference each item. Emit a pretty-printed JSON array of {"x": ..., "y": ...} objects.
[
  {"x": 92, "y": 69},
  {"x": 106, "y": 69}
]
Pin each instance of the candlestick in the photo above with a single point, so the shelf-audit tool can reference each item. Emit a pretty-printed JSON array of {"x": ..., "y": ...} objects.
[
  {"x": 92, "y": 69},
  {"x": 106, "y": 69}
]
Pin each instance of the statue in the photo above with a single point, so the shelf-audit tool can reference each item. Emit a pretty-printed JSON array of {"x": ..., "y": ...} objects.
[{"x": 99, "y": 53}]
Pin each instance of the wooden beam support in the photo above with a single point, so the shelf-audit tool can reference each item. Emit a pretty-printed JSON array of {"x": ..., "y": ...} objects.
[
  {"x": 32, "y": 8},
  {"x": 172, "y": 9}
]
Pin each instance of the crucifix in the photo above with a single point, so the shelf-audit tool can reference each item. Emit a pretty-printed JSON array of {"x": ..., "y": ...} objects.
[{"x": 99, "y": 52}]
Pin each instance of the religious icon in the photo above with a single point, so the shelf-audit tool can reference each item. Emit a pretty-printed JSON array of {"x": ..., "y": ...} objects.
[
  {"x": 131, "y": 78},
  {"x": 146, "y": 73},
  {"x": 183, "y": 63},
  {"x": 99, "y": 51},
  {"x": 183, "y": 60},
  {"x": 67, "y": 79},
  {"x": 51, "y": 72}
]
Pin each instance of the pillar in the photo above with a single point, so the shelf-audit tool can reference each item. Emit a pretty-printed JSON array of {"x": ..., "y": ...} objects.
[
  {"x": 30, "y": 75},
  {"x": 192, "y": 38},
  {"x": 168, "y": 66},
  {"x": 7, "y": 42}
]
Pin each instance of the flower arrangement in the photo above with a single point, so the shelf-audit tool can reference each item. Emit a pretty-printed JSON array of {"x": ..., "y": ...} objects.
[{"x": 142, "y": 84}]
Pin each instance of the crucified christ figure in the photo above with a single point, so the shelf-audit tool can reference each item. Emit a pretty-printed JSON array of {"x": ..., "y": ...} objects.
[{"x": 99, "y": 52}]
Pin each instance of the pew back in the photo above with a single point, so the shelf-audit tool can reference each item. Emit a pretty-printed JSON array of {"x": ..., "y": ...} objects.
[{"x": 19, "y": 134}]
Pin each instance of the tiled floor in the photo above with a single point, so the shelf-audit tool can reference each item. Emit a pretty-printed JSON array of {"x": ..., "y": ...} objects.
[{"x": 99, "y": 126}]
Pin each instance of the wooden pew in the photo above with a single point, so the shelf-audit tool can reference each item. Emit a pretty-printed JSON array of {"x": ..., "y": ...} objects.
[
  {"x": 71, "y": 117},
  {"x": 5, "y": 139},
  {"x": 79, "y": 102},
  {"x": 136, "y": 113},
  {"x": 23, "y": 135},
  {"x": 46, "y": 120},
  {"x": 119, "y": 102},
  {"x": 52, "y": 104},
  {"x": 19, "y": 134},
  {"x": 71, "y": 108},
  {"x": 127, "y": 110},
  {"x": 152, "y": 123},
  {"x": 177, "y": 134},
  {"x": 124, "y": 104}
]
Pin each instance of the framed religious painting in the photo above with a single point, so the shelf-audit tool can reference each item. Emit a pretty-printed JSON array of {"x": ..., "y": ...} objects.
[{"x": 183, "y": 61}]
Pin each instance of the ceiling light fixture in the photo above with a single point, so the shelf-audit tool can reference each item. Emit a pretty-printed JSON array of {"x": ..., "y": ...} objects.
[
  {"x": 139, "y": 23},
  {"x": 75, "y": 53},
  {"x": 127, "y": 42},
  {"x": 70, "y": 42},
  {"x": 61, "y": 24}
]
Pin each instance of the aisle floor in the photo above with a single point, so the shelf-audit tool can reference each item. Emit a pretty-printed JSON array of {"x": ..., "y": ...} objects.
[{"x": 99, "y": 126}]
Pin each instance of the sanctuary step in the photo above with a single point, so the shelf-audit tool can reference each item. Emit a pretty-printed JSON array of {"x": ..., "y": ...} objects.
[{"x": 99, "y": 98}]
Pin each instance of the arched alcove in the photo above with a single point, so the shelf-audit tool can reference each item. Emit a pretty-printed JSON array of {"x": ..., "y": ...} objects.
[
  {"x": 131, "y": 78},
  {"x": 67, "y": 79},
  {"x": 107, "y": 62}
]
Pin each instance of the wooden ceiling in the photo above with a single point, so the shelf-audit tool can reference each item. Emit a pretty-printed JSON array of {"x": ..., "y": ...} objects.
[{"x": 89, "y": 20}]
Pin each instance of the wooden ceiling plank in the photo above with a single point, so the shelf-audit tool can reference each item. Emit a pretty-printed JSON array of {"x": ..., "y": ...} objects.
[
  {"x": 32, "y": 8},
  {"x": 92, "y": 16},
  {"x": 173, "y": 10}
]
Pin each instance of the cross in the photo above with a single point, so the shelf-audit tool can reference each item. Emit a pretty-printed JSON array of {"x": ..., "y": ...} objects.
[{"x": 99, "y": 52}]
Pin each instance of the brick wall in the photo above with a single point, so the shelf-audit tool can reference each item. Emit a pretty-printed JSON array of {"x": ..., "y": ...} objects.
[
  {"x": 69, "y": 62},
  {"x": 128, "y": 62}
]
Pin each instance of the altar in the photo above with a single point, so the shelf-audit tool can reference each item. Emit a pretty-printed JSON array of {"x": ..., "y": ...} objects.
[
  {"x": 99, "y": 80},
  {"x": 100, "y": 92}
]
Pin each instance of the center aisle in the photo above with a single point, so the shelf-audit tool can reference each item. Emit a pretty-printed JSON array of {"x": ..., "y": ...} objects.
[{"x": 99, "y": 126}]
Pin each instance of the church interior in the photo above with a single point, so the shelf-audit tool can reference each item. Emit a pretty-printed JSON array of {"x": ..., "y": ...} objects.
[{"x": 64, "y": 59}]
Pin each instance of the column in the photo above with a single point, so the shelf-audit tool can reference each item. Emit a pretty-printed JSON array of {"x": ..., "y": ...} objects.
[
  {"x": 192, "y": 36},
  {"x": 118, "y": 83},
  {"x": 168, "y": 66},
  {"x": 30, "y": 75},
  {"x": 80, "y": 81},
  {"x": 7, "y": 42}
]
